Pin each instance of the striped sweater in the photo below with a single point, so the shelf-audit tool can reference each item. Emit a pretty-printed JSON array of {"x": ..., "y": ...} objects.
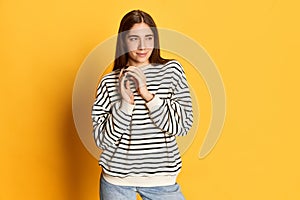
[{"x": 139, "y": 140}]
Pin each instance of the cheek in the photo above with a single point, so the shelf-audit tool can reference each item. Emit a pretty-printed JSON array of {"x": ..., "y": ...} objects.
[
  {"x": 150, "y": 52},
  {"x": 149, "y": 44},
  {"x": 132, "y": 46},
  {"x": 132, "y": 55}
]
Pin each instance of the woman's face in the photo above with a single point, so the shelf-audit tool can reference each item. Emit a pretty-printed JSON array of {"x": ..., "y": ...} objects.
[{"x": 140, "y": 43}]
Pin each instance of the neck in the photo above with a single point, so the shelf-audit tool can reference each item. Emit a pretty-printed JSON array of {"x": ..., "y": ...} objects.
[{"x": 136, "y": 64}]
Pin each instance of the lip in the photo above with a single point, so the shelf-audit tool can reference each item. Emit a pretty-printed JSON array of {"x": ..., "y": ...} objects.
[{"x": 141, "y": 54}]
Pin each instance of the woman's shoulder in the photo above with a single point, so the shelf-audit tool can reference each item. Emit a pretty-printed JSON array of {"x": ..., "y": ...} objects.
[
  {"x": 174, "y": 65},
  {"x": 172, "y": 61},
  {"x": 110, "y": 77}
]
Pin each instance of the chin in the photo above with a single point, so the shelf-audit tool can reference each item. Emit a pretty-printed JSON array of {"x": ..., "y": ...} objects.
[{"x": 142, "y": 61}]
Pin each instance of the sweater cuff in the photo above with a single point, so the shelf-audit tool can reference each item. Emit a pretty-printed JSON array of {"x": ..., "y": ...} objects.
[
  {"x": 155, "y": 103},
  {"x": 126, "y": 107}
]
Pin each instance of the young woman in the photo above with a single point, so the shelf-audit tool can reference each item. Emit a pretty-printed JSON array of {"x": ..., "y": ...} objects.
[{"x": 140, "y": 107}]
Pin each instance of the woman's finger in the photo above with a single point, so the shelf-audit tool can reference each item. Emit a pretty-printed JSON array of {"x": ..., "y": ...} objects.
[{"x": 139, "y": 71}]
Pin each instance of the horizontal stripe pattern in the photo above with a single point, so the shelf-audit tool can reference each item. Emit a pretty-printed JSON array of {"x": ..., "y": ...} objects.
[{"x": 143, "y": 143}]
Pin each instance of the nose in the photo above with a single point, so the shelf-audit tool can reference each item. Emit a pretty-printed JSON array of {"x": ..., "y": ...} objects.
[{"x": 141, "y": 44}]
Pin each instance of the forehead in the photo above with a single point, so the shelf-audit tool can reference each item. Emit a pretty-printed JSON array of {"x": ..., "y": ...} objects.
[{"x": 140, "y": 29}]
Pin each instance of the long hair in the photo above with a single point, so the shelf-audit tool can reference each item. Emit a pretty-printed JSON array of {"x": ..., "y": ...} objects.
[{"x": 127, "y": 22}]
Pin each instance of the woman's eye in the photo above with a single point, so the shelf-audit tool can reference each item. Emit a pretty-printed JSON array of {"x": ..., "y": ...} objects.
[
  {"x": 149, "y": 38},
  {"x": 133, "y": 39}
]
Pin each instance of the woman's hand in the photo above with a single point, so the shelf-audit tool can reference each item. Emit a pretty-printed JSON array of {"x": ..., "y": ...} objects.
[
  {"x": 138, "y": 77},
  {"x": 124, "y": 87}
]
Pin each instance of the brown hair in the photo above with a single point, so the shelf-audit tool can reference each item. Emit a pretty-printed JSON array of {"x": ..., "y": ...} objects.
[{"x": 127, "y": 22}]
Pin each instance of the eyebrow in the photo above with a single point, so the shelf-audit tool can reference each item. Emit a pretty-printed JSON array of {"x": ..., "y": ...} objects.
[{"x": 139, "y": 36}]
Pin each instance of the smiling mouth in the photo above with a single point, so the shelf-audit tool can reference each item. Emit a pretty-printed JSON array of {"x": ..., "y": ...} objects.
[{"x": 141, "y": 54}]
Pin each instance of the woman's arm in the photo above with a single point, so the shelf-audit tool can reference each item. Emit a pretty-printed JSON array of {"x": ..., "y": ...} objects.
[
  {"x": 110, "y": 120},
  {"x": 174, "y": 115}
]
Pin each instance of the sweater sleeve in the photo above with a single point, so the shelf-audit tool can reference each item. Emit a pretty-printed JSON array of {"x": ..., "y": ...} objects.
[
  {"x": 110, "y": 120},
  {"x": 174, "y": 115}
]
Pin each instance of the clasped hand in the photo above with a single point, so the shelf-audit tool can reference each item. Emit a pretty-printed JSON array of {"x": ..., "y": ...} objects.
[{"x": 136, "y": 75}]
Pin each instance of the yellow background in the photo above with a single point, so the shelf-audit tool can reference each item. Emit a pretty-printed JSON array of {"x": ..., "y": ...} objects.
[{"x": 255, "y": 45}]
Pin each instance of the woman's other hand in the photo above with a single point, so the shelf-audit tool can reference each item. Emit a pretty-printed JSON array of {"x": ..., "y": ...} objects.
[{"x": 124, "y": 87}]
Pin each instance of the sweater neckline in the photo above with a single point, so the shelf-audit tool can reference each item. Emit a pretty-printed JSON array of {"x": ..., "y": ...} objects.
[{"x": 145, "y": 66}]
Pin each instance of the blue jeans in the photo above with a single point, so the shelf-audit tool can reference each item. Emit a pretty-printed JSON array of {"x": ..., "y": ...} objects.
[{"x": 110, "y": 191}]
